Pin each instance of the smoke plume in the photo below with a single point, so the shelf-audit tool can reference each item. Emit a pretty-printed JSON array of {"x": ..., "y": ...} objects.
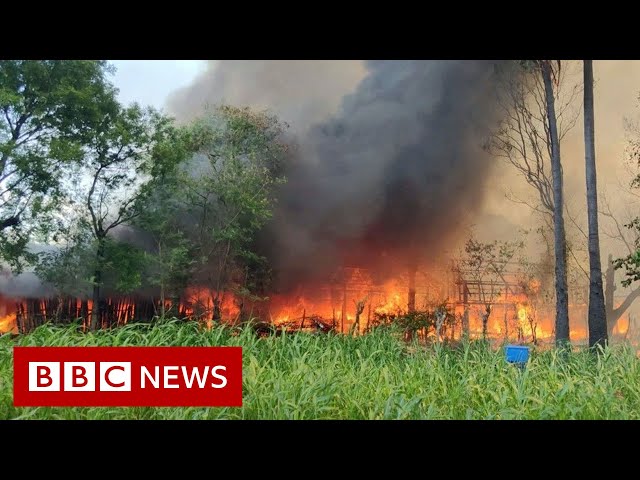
[
  {"x": 301, "y": 92},
  {"x": 391, "y": 175}
]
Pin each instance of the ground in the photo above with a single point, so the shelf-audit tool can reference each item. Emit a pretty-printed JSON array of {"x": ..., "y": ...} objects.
[{"x": 375, "y": 376}]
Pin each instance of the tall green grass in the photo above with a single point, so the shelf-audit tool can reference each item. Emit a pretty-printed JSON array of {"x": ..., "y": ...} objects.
[{"x": 376, "y": 376}]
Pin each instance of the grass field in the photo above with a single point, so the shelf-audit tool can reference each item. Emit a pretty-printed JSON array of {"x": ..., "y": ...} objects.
[{"x": 376, "y": 376}]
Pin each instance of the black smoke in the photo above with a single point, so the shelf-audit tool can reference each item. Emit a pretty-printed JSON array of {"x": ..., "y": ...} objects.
[
  {"x": 390, "y": 177},
  {"x": 393, "y": 176}
]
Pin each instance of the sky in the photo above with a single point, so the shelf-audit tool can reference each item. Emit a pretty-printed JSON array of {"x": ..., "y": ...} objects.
[{"x": 149, "y": 82}]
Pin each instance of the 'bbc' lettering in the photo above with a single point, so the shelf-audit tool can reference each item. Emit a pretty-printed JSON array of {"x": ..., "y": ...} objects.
[
  {"x": 127, "y": 376},
  {"x": 79, "y": 376}
]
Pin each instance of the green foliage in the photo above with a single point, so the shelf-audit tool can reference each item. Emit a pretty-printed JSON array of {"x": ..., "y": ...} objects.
[
  {"x": 487, "y": 262},
  {"x": 194, "y": 197},
  {"x": 426, "y": 320},
  {"x": 170, "y": 257},
  {"x": 118, "y": 158},
  {"x": 13, "y": 249},
  {"x": 70, "y": 270},
  {"x": 124, "y": 265},
  {"x": 105, "y": 189},
  {"x": 229, "y": 190},
  {"x": 375, "y": 376},
  {"x": 46, "y": 106},
  {"x": 170, "y": 261},
  {"x": 631, "y": 263}
]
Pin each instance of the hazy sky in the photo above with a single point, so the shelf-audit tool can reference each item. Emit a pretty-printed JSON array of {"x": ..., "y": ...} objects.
[{"x": 150, "y": 81}]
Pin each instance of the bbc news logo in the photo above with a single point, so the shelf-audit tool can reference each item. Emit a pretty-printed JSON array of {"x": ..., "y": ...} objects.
[
  {"x": 115, "y": 376},
  {"x": 127, "y": 376}
]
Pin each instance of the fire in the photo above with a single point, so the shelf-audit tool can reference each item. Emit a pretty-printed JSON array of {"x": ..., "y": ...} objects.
[
  {"x": 522, "y": 314},
  {"x": 352, "y": 304},
  {"x": 7, "y": 317},
  {"x": 395, "y": 304},
  {"x": 339, "y": 306},
  {"x": 622, "y": 327},
  {"x": 8, "y": 324}
]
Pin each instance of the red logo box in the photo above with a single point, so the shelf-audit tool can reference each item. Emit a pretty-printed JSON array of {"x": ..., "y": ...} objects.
[{"x": 127, "y": 376}]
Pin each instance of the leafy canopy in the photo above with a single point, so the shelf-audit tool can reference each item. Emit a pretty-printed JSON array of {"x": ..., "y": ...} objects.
[{"x": 46, "y": 109}]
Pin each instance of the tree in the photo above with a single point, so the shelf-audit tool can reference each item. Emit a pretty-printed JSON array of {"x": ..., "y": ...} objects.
[
  {"x": 536, "y": 119},
  {"x": 170, "y": 260},
  {"x": 597, "y": 312},
  {"x": 107, "y": 185},
  {"x": 627, "y": 239},
  {"x": 229, "y": 193},
  {"x": 621, "y": 227},
  {"x": 68, "y": 268},
  {"x": 522, "y": 138},
  {"x": 44, "y": 106},
  {"x": 560, "y": 247},
  {"x": 485, "y": 265}
]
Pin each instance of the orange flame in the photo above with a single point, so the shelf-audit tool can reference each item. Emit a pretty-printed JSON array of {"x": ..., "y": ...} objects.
[{"x": 512, "y": 317}]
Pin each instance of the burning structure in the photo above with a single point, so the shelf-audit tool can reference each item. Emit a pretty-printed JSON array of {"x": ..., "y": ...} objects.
[
  {"x": 352, "y": 301},
  {"x": 379, "y": 190}
]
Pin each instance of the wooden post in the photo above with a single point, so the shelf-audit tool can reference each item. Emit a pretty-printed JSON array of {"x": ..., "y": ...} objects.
[
  {"x": 355, "y": 327},
  {"x": 465, "y": 316},
  {"x": 506, "y": 323},
  {"x": 19, "y": 317}
]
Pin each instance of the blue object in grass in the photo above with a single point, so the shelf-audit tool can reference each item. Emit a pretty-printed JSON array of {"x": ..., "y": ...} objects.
[{"x": 517, "y": 354}]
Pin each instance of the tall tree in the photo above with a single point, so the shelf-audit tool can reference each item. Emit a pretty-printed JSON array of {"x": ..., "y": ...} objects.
[
  {"x": 170, "y": 259},
  {"x": 44, "y": 106},
  {"x": 560, "y": 245},
  {"x": 229, "y": 191},
  {"x": 597, "y": 311},
  {"x": 522, "y": 138},
  {"x": 538, "y": 107},
  {"x": 114, "y": 174}
]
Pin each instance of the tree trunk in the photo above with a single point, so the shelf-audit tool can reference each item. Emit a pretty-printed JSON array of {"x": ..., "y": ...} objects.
[
  {"x": 355, "y": 327},
  {"x": 217, "y": 309},
  {"x": 465, "y": 315},
  {"x": 162, "y": 312},
  {"x": 9, "y": 222},
  {"x": 19, "y": 319},
  {"x": 344, "y": 305},
  {"x": 440, "y": 318},
  {"x": 560, "y": 246},
  {"x": 485, "y": 321},
  {"x": 597, "y": 313},
  {"x": 465, "y": 322},
  {"x": 97, "y": 279}
]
